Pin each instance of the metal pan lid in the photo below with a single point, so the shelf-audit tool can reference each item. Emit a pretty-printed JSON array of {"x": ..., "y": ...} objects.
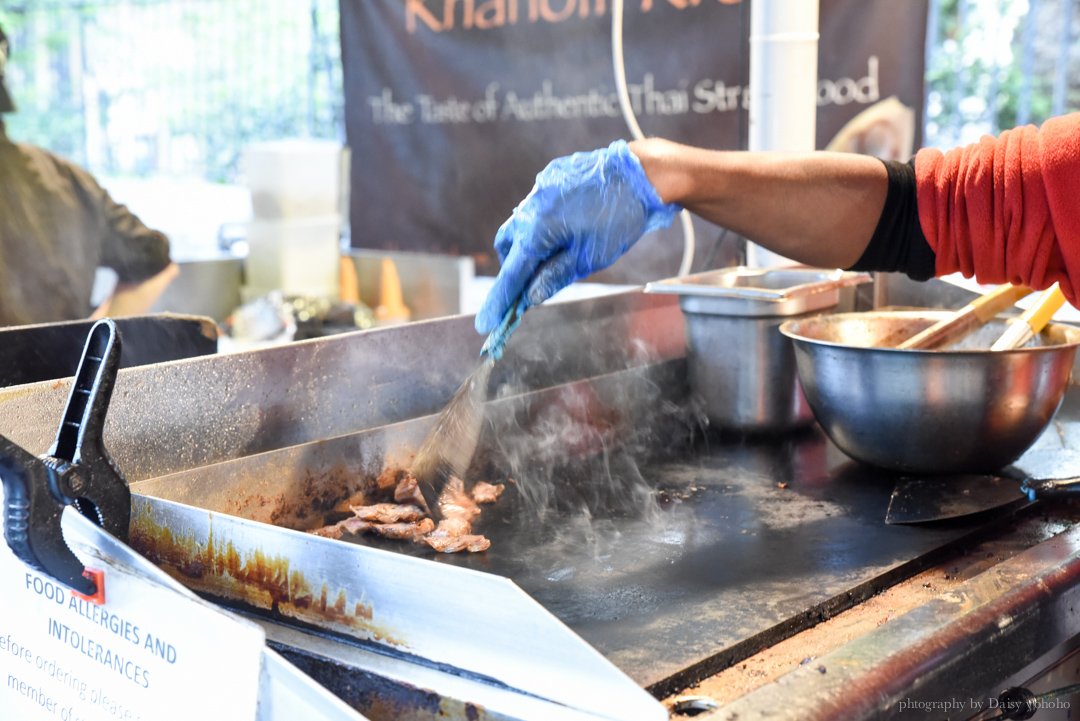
[{"x": 740, "y": 290}]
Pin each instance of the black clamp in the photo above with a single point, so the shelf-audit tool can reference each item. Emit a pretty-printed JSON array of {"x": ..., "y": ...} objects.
[{"x": 77, "y": 471}]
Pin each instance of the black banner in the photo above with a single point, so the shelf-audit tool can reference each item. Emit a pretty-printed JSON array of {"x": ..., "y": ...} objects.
[{"x": 453, "y": 106}]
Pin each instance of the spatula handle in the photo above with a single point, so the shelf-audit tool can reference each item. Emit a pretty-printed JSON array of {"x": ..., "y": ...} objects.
[
  {"x": 1051, "y": 488},
  {"x": 496, "y": 340}
]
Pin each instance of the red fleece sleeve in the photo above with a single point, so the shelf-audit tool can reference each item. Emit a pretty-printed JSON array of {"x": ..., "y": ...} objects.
[{"x": 1007, "y": 209}]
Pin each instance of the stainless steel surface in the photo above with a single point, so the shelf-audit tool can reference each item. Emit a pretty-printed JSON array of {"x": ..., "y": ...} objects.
[
  {"x": 439, "y": 615},
  {"x": 759, "y": 537},
  {"x": 284, "y": 692},
  {"x": 897, "y": 292},
  {"x": 174, "y": 416},
  {"x": 966, "y": 410},
  {"x": 204, "y": 287},
  {"x": 745, "y": 292},
  {"x": 742, "y": 371},
  {"x": 432, "y": 286},
  {"x": 755, "y": 540}
]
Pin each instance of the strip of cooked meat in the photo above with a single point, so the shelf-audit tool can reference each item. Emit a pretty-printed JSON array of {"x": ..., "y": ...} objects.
[
  {"x": 448, "y": 539},
  {"x": 454, "y": 527},
  {"x": 484, "y": 492},
  {"x": 408, "y": 491},
  {"x": 332, "y": 531},
  {"x": 399, "y": 531},
  {"x": 357, "y": 499},
  {"x": 351, "y": 525},
  {"x": 456, "y": 503},
  {"x": 403, "y": 531},
  {"x": 389, "y": 478},
  {"x": 387, "y": 513}
]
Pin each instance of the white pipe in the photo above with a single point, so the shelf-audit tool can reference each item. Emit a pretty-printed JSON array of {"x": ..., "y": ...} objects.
[
  {"x": 783, "y": 86},
  {"x": 619, "y": 66},
  {"x": 689, "y": 239}
]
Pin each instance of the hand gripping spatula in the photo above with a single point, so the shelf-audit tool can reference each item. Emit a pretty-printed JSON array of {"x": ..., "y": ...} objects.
[{"x": 450, "y": 444}]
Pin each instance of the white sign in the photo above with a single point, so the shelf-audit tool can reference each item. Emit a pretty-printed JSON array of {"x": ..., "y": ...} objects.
[{"x": 152, "y": 652}]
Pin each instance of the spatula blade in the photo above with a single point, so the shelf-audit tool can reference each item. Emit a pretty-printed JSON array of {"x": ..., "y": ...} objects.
[
  {"x": 451, "y": 442},
  {"x": 928, "y": 499}
]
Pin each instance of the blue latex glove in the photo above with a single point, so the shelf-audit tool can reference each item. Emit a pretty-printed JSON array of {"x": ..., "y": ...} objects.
[{"x": 585, "y": 211}]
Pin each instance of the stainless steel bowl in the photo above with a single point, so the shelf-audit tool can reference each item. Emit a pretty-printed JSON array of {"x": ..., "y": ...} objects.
[{"x": 961, "y": 410}]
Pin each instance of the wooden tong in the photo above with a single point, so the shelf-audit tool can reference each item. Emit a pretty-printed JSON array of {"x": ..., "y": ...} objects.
[
  {"x": 1034, "y": 319},
  {"x": 968, "y": 319}
]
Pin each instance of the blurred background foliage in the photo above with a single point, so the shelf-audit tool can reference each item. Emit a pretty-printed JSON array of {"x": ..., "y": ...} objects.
[
  {"x": 179, "y": 87},
  {"x": 995, "y": 64}
]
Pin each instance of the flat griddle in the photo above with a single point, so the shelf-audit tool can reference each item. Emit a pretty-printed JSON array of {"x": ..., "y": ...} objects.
[
  {"x": 751, "y": 538},
  {"x": 760, "y": 539}
]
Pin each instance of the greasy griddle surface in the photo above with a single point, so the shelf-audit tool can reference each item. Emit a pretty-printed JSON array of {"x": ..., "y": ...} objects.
[
  {"x": 752, "y": 539},
  {"x": 755, "y": 538}
]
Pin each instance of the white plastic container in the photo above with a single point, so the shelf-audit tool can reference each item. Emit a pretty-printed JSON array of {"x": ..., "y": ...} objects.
[
  {"x": 299, "y": 256},
  {"x": 295, "y": 178}
]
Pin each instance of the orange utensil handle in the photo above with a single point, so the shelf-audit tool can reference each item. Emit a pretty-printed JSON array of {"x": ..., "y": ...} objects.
[
  {"x": 967, "y": 319},
  {"x": 1033, "y": 320}
]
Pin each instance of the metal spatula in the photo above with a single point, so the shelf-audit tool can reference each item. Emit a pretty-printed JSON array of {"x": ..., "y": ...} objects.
[
  {"x": 449, "y": 446},
  {"x": 929, "y": 499}
]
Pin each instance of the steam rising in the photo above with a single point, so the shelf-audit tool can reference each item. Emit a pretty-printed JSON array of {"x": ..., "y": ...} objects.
[{"x": 575, "y": 453}]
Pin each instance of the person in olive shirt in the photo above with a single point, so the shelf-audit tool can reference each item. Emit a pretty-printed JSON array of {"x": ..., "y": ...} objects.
[{"x": 57, "y": 226}]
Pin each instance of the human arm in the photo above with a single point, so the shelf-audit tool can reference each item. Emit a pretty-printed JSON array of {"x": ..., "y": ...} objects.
[
  {"x": 137, "y": 298},
  {"x": 139, "y": 255},
  {"x": 1004, "y": 209},
  {"x": 1001, "y": 210},
  {"x": 587, "y": 209},
  {"x": 820, "y": 209}
]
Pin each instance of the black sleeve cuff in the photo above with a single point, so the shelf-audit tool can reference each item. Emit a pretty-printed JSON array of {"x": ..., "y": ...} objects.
[{"x": 898, "y": 243}]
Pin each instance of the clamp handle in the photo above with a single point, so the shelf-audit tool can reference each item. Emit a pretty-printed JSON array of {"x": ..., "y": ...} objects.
[
  {"x": 97, "y": 488},
  {"x": 76, "y": 471}
]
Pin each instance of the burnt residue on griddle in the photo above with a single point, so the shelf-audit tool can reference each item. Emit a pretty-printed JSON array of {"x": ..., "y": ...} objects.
[
  {"x": 256, "y": 579},
  {"x": 316, "y": 494},
  {"x": 318, "y": 497}
]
